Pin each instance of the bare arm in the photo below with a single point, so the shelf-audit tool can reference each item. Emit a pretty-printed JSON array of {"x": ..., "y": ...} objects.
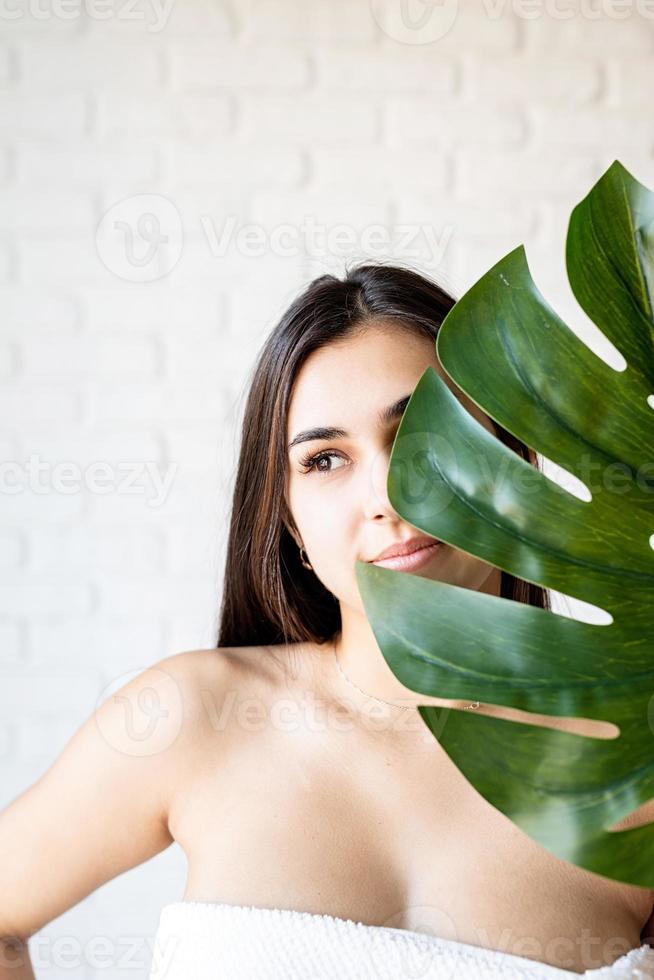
[{"x": 100, "y": 809}]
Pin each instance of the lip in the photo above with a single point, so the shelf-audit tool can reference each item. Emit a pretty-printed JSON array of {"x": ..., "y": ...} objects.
[
  {"x": 404, "y": 549},
  {"x": 405, "y": 563}
]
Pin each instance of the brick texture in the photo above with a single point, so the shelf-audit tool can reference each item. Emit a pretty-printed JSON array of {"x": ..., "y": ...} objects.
[{"x": 122, "y": 374}]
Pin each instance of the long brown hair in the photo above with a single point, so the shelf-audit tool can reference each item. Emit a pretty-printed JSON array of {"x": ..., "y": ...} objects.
[{"x": 268, "y": 595}]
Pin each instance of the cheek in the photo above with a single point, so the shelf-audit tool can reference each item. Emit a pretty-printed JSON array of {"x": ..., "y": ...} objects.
[
  {"x": 325, "y": 522},
  {"x": 303, "y": 504},
  {"x": 314, "y": 513}
]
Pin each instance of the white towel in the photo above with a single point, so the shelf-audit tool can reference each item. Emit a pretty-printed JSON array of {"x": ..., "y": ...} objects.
[{"x": 214, "y": 941}]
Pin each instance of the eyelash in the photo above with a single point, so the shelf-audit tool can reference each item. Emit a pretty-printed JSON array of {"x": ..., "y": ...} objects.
[{"x": 309, "y": 462}]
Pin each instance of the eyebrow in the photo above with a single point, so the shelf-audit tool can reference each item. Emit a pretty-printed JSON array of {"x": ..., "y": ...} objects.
[{"x": 385, "y": 417}]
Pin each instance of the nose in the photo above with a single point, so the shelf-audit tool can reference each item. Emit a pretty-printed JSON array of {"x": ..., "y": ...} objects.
[{"x": 376, "y": 505}]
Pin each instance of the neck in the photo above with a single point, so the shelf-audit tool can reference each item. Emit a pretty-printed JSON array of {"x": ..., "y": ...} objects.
[
  {"x": 365, "y": 675},
  {"x": 363, "y": 664}
]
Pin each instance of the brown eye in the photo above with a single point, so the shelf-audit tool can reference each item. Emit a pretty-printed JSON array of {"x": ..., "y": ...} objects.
[{"x": 315, "y": 462}]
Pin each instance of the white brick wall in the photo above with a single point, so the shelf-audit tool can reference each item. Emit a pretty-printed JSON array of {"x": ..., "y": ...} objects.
[{"x": 266, "y": 113}]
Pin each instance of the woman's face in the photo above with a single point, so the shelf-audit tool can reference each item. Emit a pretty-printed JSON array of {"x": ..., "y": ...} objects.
[{"x": 341, "y": 508}]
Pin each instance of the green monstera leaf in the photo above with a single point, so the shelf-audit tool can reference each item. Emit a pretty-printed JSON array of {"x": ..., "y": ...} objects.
[{"x": 507, "y": 349}]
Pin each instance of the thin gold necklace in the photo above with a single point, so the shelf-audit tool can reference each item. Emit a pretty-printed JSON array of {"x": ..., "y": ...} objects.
[{"x": 373, "y": 698}]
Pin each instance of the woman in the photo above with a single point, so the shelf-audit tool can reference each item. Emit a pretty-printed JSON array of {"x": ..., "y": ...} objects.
[{"x": 327, "y": 833}]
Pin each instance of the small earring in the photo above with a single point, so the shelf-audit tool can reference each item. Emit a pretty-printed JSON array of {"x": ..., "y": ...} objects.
[{"x": 305, "y": 563}]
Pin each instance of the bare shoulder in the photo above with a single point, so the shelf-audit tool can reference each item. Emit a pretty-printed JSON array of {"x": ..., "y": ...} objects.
[
  {"x": 191, "y": 669},
  {"x": 195, "y": 678},
  {"x": 220, "y": 669},
  {"x": 215, "y": 685},
  {"x": 225, "y": 694},
  {"x": 103, "y": 805}
]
